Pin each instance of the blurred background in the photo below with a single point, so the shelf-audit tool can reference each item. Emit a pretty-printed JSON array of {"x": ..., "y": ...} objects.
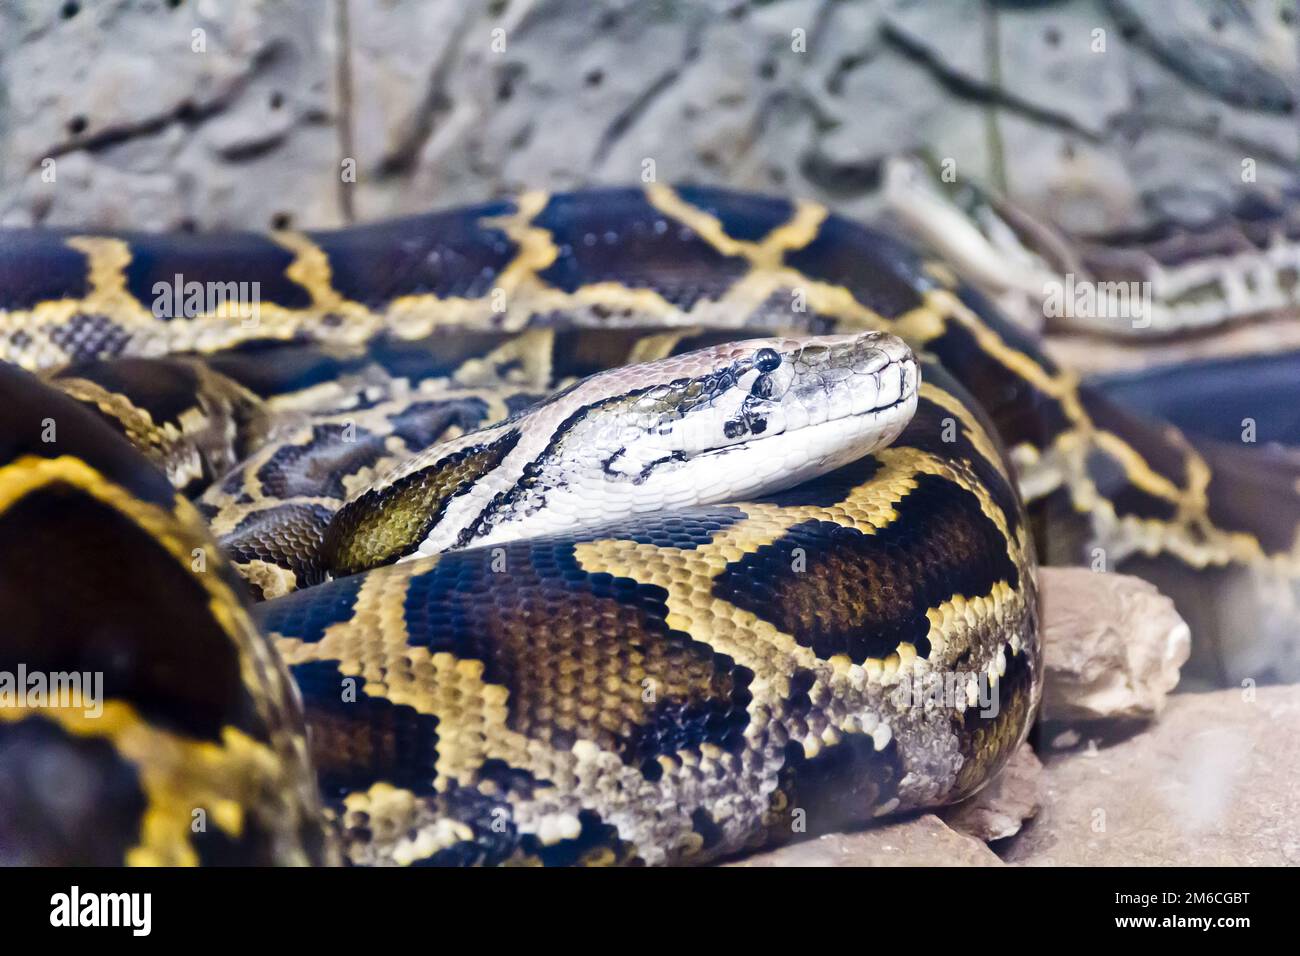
[{"x": 197, "y": 114}]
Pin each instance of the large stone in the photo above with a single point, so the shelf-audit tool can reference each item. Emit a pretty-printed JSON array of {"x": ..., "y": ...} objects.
[
  {"x": 1112, "y": 646},
  {"x": 1212, "y": 783}
]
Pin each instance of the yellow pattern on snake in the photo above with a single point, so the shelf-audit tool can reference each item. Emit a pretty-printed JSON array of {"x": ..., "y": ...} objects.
[{"x": 676, "y": 686}]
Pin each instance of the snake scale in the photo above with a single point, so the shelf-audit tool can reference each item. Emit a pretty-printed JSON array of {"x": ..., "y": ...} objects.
[{"x": 389, "y": 448}]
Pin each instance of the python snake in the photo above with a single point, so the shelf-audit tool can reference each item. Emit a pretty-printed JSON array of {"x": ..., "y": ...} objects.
[{"x": 694, "y": 678}]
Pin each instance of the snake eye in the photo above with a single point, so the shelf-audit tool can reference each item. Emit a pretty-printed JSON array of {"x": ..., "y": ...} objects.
[{"x": 767, "y": 360}]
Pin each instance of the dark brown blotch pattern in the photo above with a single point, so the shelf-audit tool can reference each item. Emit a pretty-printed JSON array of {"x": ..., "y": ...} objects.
[
  {"x": 863, "y": 594},
  {"x": 584, "y": 656}
]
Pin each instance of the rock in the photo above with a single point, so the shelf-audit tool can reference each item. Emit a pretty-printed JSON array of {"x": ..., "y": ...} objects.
[
  {"x": 1212, "y": 783},
  {"x": 160, "y": 115},
  {"x": 1046, "y": 61},
  {"x": 1112, "y": 646},
  {"x": 998, "y": 811},
  {"x": 1229, "y": 60},
  {"x": 923, "y": 841},
  {"x": 440, "y": 102}
]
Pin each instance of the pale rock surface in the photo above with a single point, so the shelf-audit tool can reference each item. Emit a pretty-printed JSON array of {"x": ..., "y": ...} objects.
[
  {"x": 164, "y": 115},
  {"x": 1112, "y": 646},
  {"x": 438, "y": 102},
  {"x": 1212, "y": 783}
]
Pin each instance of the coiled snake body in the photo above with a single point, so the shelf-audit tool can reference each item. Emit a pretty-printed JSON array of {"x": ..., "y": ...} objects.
[{"x": 728, "y": 596}]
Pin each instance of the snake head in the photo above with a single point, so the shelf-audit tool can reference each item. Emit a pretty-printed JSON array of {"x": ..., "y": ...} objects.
[
  {"x": 713, "y": 425},
  {"x": 756, "y": 416}
]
